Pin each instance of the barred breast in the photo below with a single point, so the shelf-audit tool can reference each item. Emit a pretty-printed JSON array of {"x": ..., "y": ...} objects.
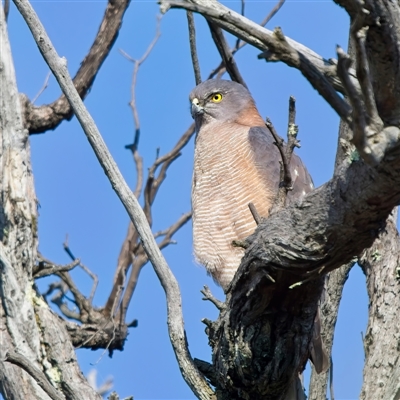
[
  {"x": 225, "y": 179},
  {"x": 234, "y": 165}
]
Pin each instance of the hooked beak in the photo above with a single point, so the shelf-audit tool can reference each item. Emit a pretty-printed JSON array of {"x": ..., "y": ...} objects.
[{"x": 196, "y": 108}]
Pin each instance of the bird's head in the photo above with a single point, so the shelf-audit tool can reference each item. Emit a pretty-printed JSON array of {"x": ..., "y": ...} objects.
[{"x": 220, "y": 100}]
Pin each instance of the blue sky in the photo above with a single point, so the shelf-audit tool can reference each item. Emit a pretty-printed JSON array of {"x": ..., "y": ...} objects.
[{"x": 76, "y": 198}]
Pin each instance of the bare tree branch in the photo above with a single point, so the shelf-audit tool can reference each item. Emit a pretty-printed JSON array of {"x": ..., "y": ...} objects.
[
  {"x": 86, "y": 269},
  {"x": 272, "y": 13},
  {"x": 193, "y": 50},
  {"x": 209, "y": 296},
  {"x": 22, "y": 362},
  {"x": 49, "y": 116},
  {"x": 141, "y": 259},
  {"x": 137, "y": 65},
  {"x": 319, "y": 72},
  {"x": 46, "y": 268},
  {"x": 220, "y": 70},
  {"x": 131, "y": 247},
  {"x": 369, "y": 136},
  {"x": 330, "y": 302},
  {"x": 225, "y": 53},
  {"x": 43, "y": 88},
  {"x": 190, "y": 373}
]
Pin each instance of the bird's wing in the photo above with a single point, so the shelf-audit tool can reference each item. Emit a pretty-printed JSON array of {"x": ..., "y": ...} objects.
[{"x": 268, "y": 158}]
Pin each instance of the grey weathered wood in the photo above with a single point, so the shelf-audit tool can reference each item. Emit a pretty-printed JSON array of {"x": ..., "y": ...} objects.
[
  {"x": 329, "y": 312},
  {"x": 380, "y": 264},
  {"x": 26, "y": 322},
  {"x": 175, "y": 319},
  {"x": 260, "y": 341}
]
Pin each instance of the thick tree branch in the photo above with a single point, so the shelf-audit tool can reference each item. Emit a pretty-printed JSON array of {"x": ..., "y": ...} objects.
[
  {"x": 49, "y": 116},
  {"x": 330, "y": 302},
  {"x": 380, "y": 264},
  {"x": 175, "y": 319}
]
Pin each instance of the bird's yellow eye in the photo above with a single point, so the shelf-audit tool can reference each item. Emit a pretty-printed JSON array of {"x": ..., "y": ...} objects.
[{"x": 216, "y": 97}]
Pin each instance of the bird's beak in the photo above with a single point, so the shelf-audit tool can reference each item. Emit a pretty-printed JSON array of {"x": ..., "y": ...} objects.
[{"x": 196, "y": 109}]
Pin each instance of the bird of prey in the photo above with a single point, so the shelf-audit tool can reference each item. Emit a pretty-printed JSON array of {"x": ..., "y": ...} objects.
[{"x": 235, "y": 163}]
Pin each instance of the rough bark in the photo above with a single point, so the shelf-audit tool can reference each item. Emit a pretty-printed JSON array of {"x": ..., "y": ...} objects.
[
  {"x": 380, "y": 264},
  {"x": 336, "y": 279},
  {"x": 26, "y": 323},
  {"x": 334, "y": 223},
  {"x": 329, "y": 313},
  {"x": 174, "y": 307},
  {"x": 261, "y": 339}
]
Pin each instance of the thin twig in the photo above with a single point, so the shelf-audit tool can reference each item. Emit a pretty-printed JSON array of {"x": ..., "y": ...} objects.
[
  {"x": 137, "y": 63},
  {"x": 193, "y": 50},
  {"x": 272, "y": 13},
  {"x": 209, "y": 296},
  {"x": 141, "y": 259},
  {"x": 43, "y": 88},
  {"x": 86, "y": 269},
  {"x": 46, "y": 267},
  {"x": 285, "y": 177},
  {"x": 254, "y": 213},
  {"x": 19, "y": 360}
]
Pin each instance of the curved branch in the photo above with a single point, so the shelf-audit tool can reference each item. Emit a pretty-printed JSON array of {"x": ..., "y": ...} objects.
[
  {"x": 39, "y": 119},
  {"x": 22, "y": 362},
  {"x": 190, "y": 373}
]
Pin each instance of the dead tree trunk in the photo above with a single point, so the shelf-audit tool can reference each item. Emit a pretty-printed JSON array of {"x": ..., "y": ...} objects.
[{"x": 27, "y": 325}]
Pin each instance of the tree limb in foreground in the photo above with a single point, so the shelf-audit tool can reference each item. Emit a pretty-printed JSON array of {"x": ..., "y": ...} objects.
[{"x": 175, "y": 319}]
